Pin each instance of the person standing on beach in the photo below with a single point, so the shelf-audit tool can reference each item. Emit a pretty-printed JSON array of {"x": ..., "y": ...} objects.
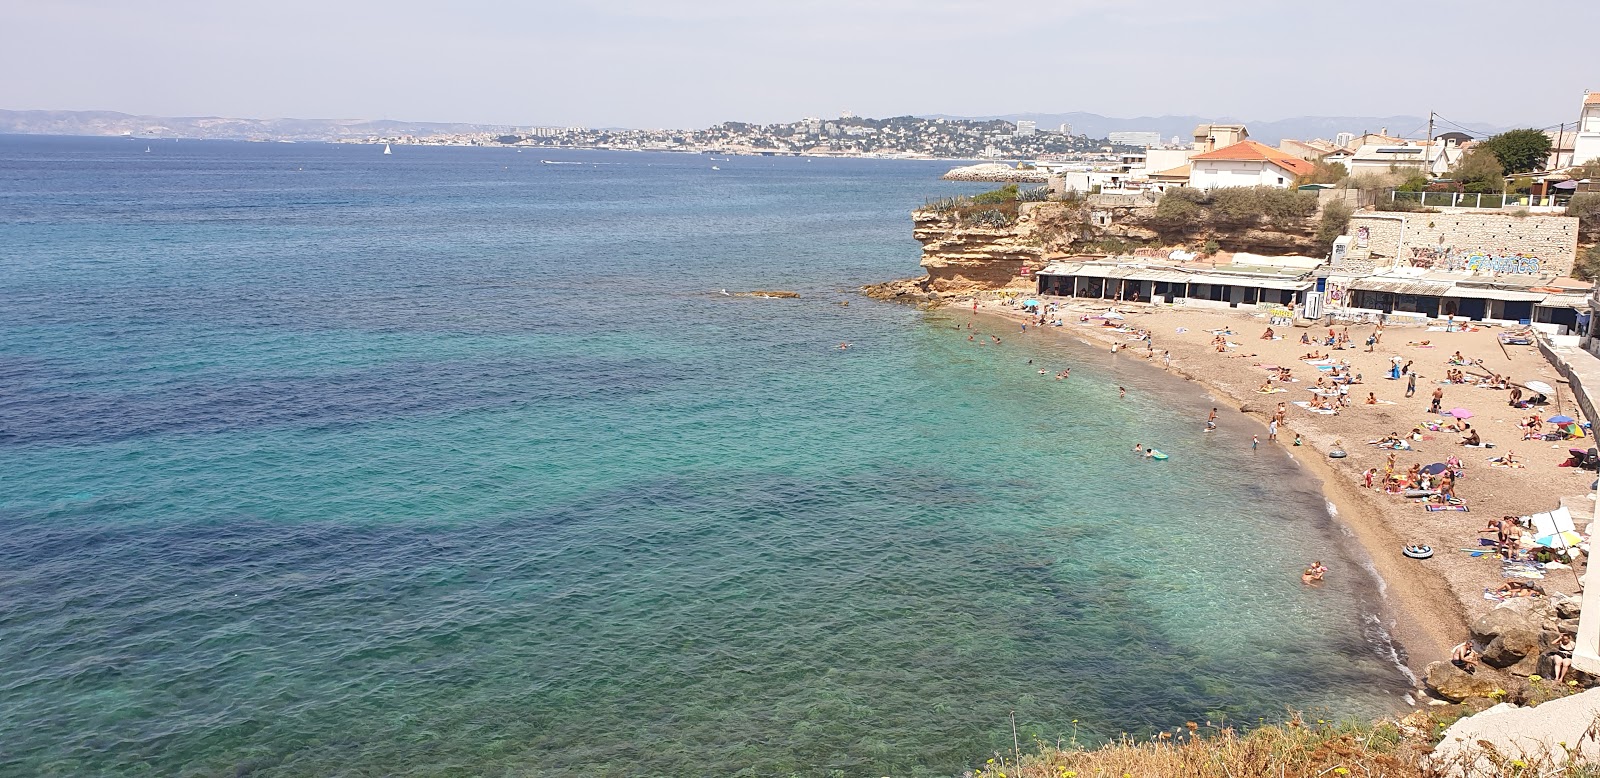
[
  {"x": 1411, "y": 384},
  {"x": 1438, "y": 399},
  {"x": 1272, "y": 430}
]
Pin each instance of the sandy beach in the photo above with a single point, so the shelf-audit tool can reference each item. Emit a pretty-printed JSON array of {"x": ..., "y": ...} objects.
[{"x": 1434, "y": 599}]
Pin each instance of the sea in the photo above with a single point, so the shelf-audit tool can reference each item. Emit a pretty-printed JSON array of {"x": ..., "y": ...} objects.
[{"x": 460, "y": 461}]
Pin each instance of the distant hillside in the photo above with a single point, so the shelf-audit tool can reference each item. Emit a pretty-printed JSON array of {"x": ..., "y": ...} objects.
[
  {"x": 1302, "y": 127},
  {"x": 113, "y": 123}
]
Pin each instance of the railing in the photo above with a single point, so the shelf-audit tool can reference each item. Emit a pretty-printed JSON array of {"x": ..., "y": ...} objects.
[{"x": 1478, "y": 200}]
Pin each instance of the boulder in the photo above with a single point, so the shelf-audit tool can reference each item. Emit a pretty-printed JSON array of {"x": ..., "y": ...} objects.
[
  {"x": 1568, "y": 607},
  {"x": 1515, "y": 649},
  {"x": 1448, "y": 682}
]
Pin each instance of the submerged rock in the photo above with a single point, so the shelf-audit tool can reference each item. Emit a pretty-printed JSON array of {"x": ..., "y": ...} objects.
[{"x": 767, "y": 293}]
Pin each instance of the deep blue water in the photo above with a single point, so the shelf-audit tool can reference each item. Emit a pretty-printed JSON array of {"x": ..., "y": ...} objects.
[{"x": 319, "y": 462}]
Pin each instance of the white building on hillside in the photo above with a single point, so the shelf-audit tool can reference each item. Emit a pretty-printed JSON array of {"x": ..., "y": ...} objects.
[
  {"x": 1586, "y": 144},
  {"x": 1135, "y": 138},
  {"x": 1246, "y": 163}
]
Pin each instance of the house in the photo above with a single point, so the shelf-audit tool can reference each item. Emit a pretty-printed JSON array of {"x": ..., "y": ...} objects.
[
  {"x": 1246, "y": 163},
  {"x": 1429, "y": 158},
  {"x": 1586, "y": 144},
  {"x": 1309, "y": 150},
  {"x": 1210, "y": 137}
]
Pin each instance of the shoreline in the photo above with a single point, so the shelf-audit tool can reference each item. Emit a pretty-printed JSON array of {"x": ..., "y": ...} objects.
[
  {"x": 1430, "y": 604},
  {"x": 1419, "y": 633}
]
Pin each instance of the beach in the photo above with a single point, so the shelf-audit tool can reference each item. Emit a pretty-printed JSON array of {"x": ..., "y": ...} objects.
[{"x": 1435, "y": 599}]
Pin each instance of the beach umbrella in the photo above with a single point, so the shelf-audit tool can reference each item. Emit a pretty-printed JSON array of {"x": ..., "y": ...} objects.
[
  {"x": 1030, "y": 303},
  {"x": 1460, "y": 413},
  {"x": 1435, "y": 468},
  {"x": 1113, "y": 315},
  {"x": 1565, "y": 539},
  {"x": 1561, "y": 420},
  {"x": 1540, "y": 387}
]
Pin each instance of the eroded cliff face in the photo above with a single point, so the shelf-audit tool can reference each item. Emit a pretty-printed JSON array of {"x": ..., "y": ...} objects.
[{"x": 962, "y": 254}]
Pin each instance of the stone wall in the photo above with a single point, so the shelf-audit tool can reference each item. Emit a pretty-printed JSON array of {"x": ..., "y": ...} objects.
[{"x": 1530, "y": 246}]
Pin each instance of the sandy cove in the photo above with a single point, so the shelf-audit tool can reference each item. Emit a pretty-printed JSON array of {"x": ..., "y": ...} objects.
[{"x": 1434, "y": 600}]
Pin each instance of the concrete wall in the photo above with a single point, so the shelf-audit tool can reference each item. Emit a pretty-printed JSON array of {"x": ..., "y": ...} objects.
[{"x": 1487, "y": 244}]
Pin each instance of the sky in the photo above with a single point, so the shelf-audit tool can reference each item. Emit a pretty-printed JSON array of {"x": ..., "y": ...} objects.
[{"x": 693, "y": 63}]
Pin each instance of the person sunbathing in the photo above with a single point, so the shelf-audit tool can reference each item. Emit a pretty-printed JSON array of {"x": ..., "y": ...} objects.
[
  {"x": 1472, "y": 439},
  {"x": 1511, "y": 589},
  {"x": 1372, "y": 399},
  {"x": 1463, "y": 657},
  {"x": 1267, "y": 335}
]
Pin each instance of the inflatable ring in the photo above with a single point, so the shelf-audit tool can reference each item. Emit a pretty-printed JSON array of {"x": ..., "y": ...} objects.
[
  {"x": 1418, "y": 552},
  {"x": 1337, "y": 453}
]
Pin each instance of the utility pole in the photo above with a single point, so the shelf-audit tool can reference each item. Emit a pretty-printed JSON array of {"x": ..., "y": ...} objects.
[{"x": 1427, "y": 164}]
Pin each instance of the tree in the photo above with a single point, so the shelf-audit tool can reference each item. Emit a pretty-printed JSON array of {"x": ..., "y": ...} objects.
[
  {"x": 1520, "y": 151},
  {"x": 1586, "y": 207},
  {"x": 1480, "y": 172},
  {"x": 1589, "y": 170},
  {"x": 1324, "y": 173},
  {"x": 1335, "y": 220}
]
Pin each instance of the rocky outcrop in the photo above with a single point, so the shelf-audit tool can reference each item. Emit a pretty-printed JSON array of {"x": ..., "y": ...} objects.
[
  {"x": 994, "y": 171},
  {"x": 1448, "y": 682},
  {"x": 1515, "y": 632},
  {"x": 962, "y": 258}
]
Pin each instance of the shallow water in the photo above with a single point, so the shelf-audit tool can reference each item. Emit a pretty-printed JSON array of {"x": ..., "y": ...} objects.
[{"x": 322, "y": 462}]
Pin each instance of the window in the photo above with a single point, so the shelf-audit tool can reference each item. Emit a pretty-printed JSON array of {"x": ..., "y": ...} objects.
[{"x": 1280, "y": 180}]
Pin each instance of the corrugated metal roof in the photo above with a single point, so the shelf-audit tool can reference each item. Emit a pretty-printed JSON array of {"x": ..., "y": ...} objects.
[
  {"x": 1565, "y": 301},
  {"x": 1259, "y": 282},
  {"x": 1158, "y": 274},
  {"x": 1401, "y": 286},
  {"x": 1491, "y": 293}
]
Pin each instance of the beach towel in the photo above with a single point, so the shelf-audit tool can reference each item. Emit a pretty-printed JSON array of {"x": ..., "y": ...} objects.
[
  {"x": 1438, "y": 508},
  {"x": 1270, "y": 391},
  {"x": 1488, "y": 594}
]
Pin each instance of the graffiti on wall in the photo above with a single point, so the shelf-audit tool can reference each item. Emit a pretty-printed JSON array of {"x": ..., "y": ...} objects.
[
  {"x": 1442, "y": 258},
  {"x": 1483, "y": 262},
  {"x": 1335, "y": 294},
  {"x": 1428, "y": 256},
  {"x": 1363, "y": 236}
]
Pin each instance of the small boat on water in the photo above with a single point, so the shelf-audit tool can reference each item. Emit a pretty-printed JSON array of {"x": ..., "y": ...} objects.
[
  {"x": 147, "y": 149},
  {"x": 386, "y": 149}
]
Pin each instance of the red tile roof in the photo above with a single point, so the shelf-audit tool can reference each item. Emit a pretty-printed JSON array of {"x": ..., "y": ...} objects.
[
  {"x": 1251, "y": 151},
  {"x": 1591, "y": 98}
]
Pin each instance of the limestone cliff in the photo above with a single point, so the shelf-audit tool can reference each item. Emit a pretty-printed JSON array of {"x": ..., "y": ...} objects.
[{"x": 970, "y": 248}]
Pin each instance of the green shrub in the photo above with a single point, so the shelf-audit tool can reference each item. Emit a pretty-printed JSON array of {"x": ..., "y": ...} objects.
[
  {"x": 1335, "y": 220},
  {"x": 1004, "y": 194},
  {"x": 1586, "y": 207}
]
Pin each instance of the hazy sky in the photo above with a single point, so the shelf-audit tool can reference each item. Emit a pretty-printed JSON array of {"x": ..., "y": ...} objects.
[{"x": 691, "y": 63}]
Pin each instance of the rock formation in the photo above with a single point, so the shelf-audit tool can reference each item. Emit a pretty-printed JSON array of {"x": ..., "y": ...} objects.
[{"x": 994, "y": 171}]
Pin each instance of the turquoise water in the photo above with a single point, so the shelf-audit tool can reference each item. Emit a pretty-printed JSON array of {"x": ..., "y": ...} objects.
[{"x": 317, "y": 462}]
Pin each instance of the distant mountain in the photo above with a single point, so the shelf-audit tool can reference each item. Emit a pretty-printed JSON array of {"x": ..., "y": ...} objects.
[
  {"x": 1300, "y": 127},
  {"x": 113, "y": 123}
]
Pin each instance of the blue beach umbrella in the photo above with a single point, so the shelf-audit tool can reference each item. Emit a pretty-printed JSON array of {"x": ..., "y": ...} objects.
[
  {"x": 1435, "y": 468},
  {"x": 1561, "y": 420}
]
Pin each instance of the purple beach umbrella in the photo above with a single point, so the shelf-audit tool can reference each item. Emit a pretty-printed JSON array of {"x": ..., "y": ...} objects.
[{"x": 1460, "y": 413}]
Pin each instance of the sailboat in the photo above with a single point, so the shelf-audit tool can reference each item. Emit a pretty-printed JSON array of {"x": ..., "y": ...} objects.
[
  {"x": 386, "y": 149},
  {"x": 147, "y": 149}
]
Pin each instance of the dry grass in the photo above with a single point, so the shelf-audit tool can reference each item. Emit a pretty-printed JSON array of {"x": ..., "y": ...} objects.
[{"x": 1297, "y": 749}]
